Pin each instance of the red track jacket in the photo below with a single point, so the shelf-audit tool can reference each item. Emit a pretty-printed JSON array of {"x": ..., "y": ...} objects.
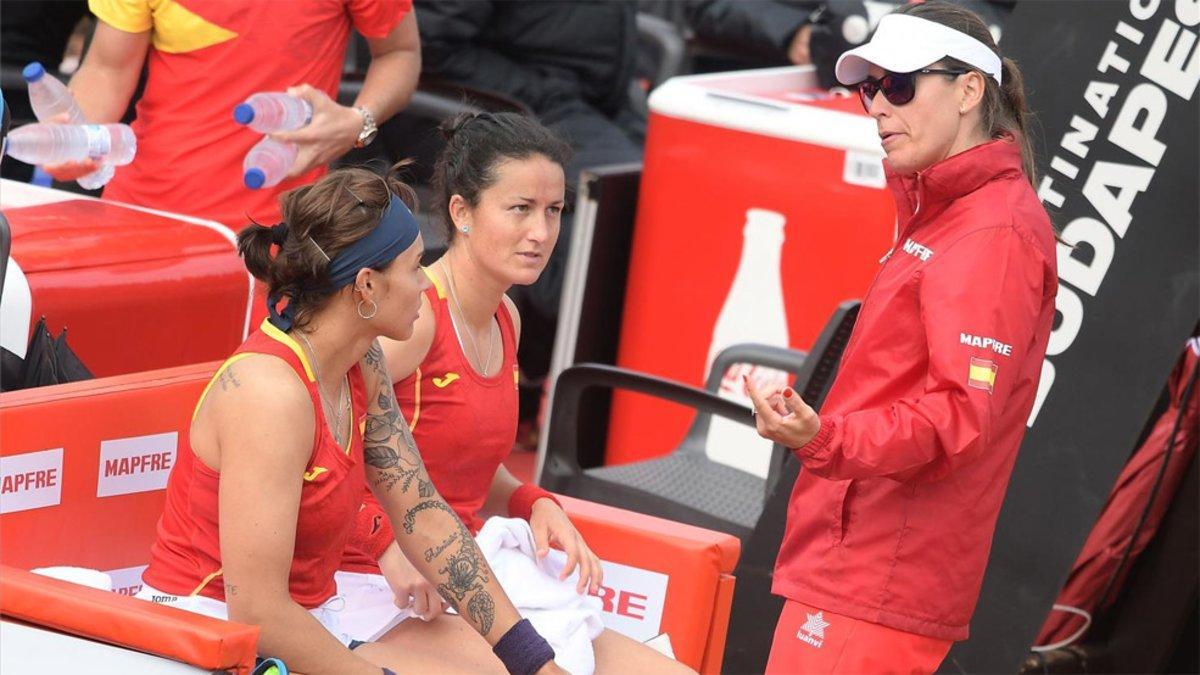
[{"x": 891, "y": 519}]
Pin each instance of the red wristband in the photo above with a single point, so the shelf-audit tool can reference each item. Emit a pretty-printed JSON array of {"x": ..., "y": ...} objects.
[
  {"x": 372, "y": 532},
  {"x": 520, "y": 504}
]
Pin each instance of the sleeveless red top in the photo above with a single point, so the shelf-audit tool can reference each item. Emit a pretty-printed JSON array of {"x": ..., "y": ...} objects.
[
  {"x": 464, "y": 424},
  {"x": 186, "y": 557}
]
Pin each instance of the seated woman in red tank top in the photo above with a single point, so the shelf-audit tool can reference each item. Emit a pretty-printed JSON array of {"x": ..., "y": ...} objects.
[
  {"x": 502, "y": 190},
  {"x": 291, "y": 431}
]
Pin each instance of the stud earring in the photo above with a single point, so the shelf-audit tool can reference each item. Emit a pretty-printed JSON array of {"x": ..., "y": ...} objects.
[{"x": 466, "y": 229}]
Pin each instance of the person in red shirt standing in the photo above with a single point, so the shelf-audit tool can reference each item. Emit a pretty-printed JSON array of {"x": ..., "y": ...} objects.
[
  {"x": 501, "y": 184},
  {"x": 206, "y": 56},
  {"x": 904, "y": 471}
]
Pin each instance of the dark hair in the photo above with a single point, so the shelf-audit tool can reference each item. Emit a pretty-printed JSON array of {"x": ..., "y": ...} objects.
[
  {"x": 319, "y": 220},
  {"x": 1004, "y": 110},
  {"x": 477, "y": 143}
]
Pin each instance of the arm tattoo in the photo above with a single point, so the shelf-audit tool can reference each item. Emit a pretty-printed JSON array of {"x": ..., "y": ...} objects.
[
  {"x": 387, "y": 478},
  {"x": 437, "y": 504},
  {"x": 433, "y": 552},
  {"x": 482, "y": 610},
  {"x": 390, "y": 450},
  {"x": 374, "y": 358},
  {"x": 391, "y": 465},
  {"x": 381, "y": 457},
  {"x": 384, "y": 425},
  {"x": 228, "y": 380},
  {"x": 464, "y": 572}
]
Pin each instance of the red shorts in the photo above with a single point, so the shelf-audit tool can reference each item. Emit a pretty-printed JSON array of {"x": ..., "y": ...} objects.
[{"x": 810, "y": 640}]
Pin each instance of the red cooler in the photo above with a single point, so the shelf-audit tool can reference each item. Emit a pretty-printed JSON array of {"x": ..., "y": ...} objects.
[
  {"x": 136, "y": 289},
  {"x": 763, "y": 205}
]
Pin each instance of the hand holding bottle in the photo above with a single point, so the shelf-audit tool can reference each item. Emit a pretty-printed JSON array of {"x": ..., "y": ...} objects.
[
  {"x": 333, "y": 130},
  {"x": 111, "y": 144},
  {"x": 69, "y": 171},
  {"x": 269, "y": 112},
  {"x": 53, "y": 103},
  {"x": 268, "y": 163}
]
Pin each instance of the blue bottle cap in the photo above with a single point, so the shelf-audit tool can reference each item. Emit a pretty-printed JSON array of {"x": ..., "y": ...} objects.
[
  {"x": 33, "y": 72},
  {"x": 243, "y": 113},
  {"x": 255, "y": 178}
]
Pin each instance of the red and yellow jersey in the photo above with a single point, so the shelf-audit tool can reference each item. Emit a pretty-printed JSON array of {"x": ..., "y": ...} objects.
[
  {"x": 186, "y": 556},
  {"x": 206, "y": 57},
  {"x": 464, "y": 424}
]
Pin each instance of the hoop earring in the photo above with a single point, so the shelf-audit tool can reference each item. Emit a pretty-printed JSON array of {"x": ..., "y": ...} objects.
[{"x": 374, "y": 309}]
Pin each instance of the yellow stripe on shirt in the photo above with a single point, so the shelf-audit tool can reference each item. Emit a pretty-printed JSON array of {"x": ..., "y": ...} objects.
[
  {"x": 412, "y": 426},
  {"x": 178, "y": 30},
  {"x": 228, "y": 362},
  {"x": 274, "y": 333},
  {"x": 204, "y": 583},
  {"x": 441, "y": 293}
]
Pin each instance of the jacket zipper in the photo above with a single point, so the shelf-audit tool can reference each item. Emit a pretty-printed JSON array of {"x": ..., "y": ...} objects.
[
  {"x": 883, "y": 261},
  {"x": 888, "y": 256}
]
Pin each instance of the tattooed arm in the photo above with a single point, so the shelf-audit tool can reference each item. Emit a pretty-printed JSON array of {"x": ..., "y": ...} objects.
[{"x": 427, "y": 529}]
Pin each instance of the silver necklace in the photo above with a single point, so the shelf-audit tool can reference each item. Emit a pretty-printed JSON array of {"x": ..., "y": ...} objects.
[
  {"x": 485, "y": 366},
  {"x": 336, "y": 408}
]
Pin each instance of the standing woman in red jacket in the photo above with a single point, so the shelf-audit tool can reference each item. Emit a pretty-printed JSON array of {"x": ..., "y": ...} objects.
[{"x": 891, "y": 521}]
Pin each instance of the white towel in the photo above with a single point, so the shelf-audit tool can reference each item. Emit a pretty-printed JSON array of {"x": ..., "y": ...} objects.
[
  {"x": 568, "y": 620},
  {"x": 83, "y": 576}
]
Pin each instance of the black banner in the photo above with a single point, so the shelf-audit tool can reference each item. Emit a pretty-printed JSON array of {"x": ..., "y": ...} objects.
[{"x": 1114, "y": 86}]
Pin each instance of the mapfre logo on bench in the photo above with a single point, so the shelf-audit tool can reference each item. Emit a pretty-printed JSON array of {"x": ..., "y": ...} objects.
[
  {"x": 31, "y": 480},
  {"x": 137, "y": 464},
  {"x": 632, "y": 600}
]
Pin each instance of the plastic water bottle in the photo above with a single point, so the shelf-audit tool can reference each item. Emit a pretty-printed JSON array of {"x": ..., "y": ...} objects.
[
  {"x": 57, "y": 143},
  {"x": 754, "y": 311},
  {"x": 49, "y": 97},
  {"x": 268, "y": 162},
  {"x": 268, "y": 112}
]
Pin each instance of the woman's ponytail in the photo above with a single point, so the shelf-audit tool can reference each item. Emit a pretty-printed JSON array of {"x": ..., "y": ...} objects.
[
  {"x": 254, "y": 245},
  {"x": 1012, "y": 95}
]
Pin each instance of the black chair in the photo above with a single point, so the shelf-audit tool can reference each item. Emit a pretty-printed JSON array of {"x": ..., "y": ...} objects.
[
  {"x": 685, "y": 485},
  {"x": 661, "y": 55}
]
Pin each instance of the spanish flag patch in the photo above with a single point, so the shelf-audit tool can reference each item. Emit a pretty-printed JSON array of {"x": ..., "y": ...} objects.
[{"x": 982, "y": 374}]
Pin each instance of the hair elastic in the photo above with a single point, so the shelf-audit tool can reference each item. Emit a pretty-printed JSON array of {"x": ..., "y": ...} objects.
[{"x": 279, "y": 233}]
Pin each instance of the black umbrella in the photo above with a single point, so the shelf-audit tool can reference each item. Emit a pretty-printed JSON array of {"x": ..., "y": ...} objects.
[
  {"x": 47, "y": 361},
  {"x": 38, "y": 368},
  {"x": 10, "y": 369},
  {"x": 67, "y": 365}
]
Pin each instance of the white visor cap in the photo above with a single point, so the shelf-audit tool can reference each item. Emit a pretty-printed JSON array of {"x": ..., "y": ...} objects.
[{"x": 904, "y": 43}]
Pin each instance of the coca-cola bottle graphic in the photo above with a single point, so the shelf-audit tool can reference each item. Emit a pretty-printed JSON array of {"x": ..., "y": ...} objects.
[{"x": 753, "y": 312}]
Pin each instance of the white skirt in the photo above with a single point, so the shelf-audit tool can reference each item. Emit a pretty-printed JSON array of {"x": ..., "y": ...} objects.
[{"x": 362, "y": 610}]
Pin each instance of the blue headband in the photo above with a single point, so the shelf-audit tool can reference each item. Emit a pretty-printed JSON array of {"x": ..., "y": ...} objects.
[{"x": 396, "y": 231}]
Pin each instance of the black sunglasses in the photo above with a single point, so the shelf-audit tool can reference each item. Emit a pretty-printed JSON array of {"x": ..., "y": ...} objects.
[{"x": 898, "y": 88}]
